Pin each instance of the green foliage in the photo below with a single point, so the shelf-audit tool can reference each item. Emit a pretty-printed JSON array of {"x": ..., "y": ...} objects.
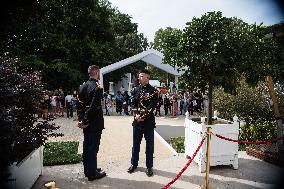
[
  {"x": 277, "y": 31},
  {"x": 259, "y": 130},
  {"x": 250, "y": 104},
  {"x": 20, "y": 131},
  {"x": 217, "y": 51},
  {"x": 178, "y": 144},
  {"x": 157, "y": 74},
  {"x": 211, "y": 48},
  {"x": 61, "y": 153},
  {"x": 165, "y": 40},
  {"x": 279, "y": 89},
  {"x": 62, "y": 38}
]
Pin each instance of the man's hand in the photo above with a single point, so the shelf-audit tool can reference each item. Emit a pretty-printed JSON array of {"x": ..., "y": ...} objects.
[
  {"x": 81, "y": 125},
  {"x": 137, "y": 118}
]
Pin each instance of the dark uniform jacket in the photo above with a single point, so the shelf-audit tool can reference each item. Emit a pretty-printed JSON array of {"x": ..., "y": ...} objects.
[
  {"x": 144, "y": 102},
  {"x": 89, "y": 106}
]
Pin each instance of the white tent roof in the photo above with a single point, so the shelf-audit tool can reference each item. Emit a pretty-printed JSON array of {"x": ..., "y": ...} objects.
[{"x": 150, "y": 56}]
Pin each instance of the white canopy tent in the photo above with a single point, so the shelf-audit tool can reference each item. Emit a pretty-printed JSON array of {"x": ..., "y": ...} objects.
[{"x": 150, "y": 56}]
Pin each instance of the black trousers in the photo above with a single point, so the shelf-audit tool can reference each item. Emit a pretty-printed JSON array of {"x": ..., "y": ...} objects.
[
  {"x": 92, "y": 137},
  {"x": 69, "y": 110},
  {"x": 138, "y": 133}
]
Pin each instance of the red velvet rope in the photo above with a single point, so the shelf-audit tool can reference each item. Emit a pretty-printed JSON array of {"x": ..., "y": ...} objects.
[
  {"x": 221, "y": 137},
  {"x": 249, "y": 142},
  {"x": 185, "y": 167}
]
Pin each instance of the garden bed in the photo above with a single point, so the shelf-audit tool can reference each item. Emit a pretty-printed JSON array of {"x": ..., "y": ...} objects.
[
  {"x": 178, "y": 144},
  {"x": 60, "y": 153}
]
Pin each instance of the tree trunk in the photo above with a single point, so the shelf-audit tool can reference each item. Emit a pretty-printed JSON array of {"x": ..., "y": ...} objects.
[
  {"x": 210, "y": 111},
  {"x": 275, "y": 109},
  {"x": 272, "y": 94}
]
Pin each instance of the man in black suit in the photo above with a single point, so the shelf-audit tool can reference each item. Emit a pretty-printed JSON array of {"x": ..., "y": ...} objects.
[{"x": 91, "y": 120}]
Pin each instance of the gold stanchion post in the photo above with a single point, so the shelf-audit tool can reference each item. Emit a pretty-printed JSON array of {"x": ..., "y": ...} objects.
[{"x": 206, "y": 184}]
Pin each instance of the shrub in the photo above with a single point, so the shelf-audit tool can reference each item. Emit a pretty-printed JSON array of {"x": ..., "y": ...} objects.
[
  {"x": 20, "y": 131},
  {"x": 60, "y": 153},
  {"x": 250, "y": 104},
  {"x": 280, "y": 95},
  {"x": 178, "y": 144}
]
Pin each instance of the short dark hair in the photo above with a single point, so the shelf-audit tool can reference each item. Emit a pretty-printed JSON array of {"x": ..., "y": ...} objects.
[
  {"x": 92, "y": 68},
  {"x": 145, "y": 71}
]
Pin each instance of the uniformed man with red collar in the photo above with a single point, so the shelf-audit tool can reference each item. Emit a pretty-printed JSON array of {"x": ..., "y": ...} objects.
[{"x": 145, "y": 100}]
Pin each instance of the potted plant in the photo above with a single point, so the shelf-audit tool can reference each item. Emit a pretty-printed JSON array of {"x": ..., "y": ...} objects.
[
  {"x": 21, "y": 133},
  {"x": 221, "y": 152}
]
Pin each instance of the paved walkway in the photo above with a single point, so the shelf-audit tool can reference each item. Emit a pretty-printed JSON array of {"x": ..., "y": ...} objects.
[
  {"x": 116, "y": 142},
  {"x": 115, "y": 153}
]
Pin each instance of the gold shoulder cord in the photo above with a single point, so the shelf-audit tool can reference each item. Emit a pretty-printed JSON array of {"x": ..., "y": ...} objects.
[{"x": 142, "y": 97}]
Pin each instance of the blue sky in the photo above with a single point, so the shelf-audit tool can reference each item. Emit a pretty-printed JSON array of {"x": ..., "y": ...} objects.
[{"x": 152, "y": 15}]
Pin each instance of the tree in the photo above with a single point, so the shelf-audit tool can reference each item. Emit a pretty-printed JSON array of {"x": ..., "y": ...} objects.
[
  {"x": 267, "y": 51},
  {"x": 62, "y": 38},
  {"x": 211, "y": 47},
  {"x": 128, "y": 42},
  {"x": 165, "y": 40}
]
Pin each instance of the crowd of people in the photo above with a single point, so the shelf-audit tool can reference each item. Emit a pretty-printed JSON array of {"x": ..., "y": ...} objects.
[
  {"x": 170, "y": 104},
  {"x": 55, "y": 103}
]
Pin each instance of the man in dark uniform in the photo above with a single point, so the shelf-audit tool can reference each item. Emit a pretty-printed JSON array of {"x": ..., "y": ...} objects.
[
  {"x": 90, "y": 116},
  {"x": 145, "y": 100}
]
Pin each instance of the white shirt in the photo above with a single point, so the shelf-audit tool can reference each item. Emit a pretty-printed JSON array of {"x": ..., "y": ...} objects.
[{"x": 68, "y": 98}]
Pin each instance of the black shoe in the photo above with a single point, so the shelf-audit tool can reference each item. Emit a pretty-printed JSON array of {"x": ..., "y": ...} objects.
[
  {"x": 98, "y": 175},
  {"x": 149, "y": 172},
  {"x": 131, "y": 169},
  {"x": 99, "y": 169}
]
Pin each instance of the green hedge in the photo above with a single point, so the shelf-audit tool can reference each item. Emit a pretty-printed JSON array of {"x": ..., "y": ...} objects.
[
  {"x": 178, "y": 144},
  {"x": 61, "y": 153}
]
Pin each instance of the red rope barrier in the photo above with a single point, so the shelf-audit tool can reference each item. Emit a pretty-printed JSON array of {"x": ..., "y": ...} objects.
[
  {"x": 248, "y": 142},
  {"x": 185, "y": 167}
]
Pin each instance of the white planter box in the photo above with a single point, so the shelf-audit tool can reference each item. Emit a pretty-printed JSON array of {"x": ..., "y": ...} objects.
[
  {"x": 222, "y": 152},
  {"x": 25, "y": 173}
]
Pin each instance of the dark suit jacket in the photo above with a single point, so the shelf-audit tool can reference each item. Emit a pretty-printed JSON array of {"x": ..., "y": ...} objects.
[{"x": 90, "y": 111}]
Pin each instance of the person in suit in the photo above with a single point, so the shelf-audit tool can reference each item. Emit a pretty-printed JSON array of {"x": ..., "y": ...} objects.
[
  {"x": 91, "y": 120},
  {"x": 144, "y": 102}
]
